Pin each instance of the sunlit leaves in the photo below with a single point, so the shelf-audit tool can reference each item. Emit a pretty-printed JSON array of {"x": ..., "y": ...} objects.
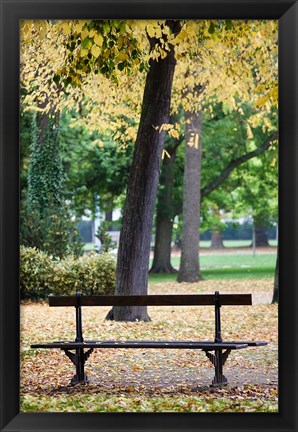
[
  {"x": 98, "y": 40},
  {"x": 65, "y": 52},
  {"x": 95, "y": 51},
  {"x": 233, "y": 61}
]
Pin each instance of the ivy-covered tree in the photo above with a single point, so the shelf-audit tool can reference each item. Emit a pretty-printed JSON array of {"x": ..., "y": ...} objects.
[
  {"x": 45, "y": 174},
  {"x": 45, "y": 218}
]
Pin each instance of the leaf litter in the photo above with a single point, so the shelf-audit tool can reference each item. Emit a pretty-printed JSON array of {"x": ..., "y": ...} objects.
[{"x": 152, "y": 380}]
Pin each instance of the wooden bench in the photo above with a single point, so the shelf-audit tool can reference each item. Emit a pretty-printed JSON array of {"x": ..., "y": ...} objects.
[{"x": 217, "y": 351}]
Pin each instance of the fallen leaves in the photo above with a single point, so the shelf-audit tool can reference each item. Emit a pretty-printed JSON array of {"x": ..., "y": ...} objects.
[{"x": 245, "y": 399}]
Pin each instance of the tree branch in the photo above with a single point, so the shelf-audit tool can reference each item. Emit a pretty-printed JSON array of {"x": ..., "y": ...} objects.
[{"x": 235, "y": 163}]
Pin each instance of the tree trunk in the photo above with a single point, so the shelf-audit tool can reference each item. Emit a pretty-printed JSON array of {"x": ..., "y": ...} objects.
[
  {"x": 189, "y": 270},
  {"x": 261, "y": 235},
  {"x": 162, "y": 249},
  {"x": 216, "y": 239},
  {"x": 135, "y": 234},
  {"x": 276, "y": 284},
  {"x": 109, "y": 214},
  {"x": 164, "y": 218}
]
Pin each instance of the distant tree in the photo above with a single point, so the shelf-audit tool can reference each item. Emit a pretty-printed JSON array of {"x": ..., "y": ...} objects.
[
  {"x": 189, "y": 270},
  {"x": 45, "y": 219},
  {"x": 97, "y": 168},
  {"x": 168, "y": 205}
]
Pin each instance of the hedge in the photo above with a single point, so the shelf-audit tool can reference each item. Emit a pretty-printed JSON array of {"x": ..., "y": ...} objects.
[
  {"x": 41, "y": 275},
  {"x": 36, "y": 269}
]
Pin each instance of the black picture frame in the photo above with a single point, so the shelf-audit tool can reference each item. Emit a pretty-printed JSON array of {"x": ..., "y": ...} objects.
[{"x": 11, "y": 12}]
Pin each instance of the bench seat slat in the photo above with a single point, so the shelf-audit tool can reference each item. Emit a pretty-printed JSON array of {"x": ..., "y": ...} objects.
[
  {"x": 152, "y": 300},
  {"x": 104, "y": 344},
  {"x": 251, "y": 343},
  {"x": 205, "y": 345}
]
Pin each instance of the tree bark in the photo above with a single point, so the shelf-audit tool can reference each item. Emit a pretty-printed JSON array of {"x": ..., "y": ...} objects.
[
  {"x": 162, "y": 249},
  {"x": 275, "y": 298},
  {"x": 216, "y": 239},
  {"x": 165, "y": 214},
  {"x": 135, "y": 234},
  {"x": 261, "y": 235},
  {"x": 189, "y": 270},
  {"x": 109, "y": 214}
]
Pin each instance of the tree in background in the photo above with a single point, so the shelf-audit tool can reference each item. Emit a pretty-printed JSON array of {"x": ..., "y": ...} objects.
[
  {"x": 257, "y": 192},
  {"x": 96, "y": 167},
  {"x": 242, "y": 147},
  {"x": 169, "y": 199},
  {"x": 189, "y": 270},
  {"x": 45, "y": 219},
  {"x": 45, "y": 174}
]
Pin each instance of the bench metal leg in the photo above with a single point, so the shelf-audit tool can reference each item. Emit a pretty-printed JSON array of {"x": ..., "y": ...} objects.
[
  {"x": 80, "y": 376},
  {"x": 218, "y": 359},
  {"x": 219, "y": 378},
  {"x": 79, "y": 359}
]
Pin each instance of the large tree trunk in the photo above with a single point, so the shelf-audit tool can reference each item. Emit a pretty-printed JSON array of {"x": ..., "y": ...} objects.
[
  {"x": 135, "y": 235},
  {"x": 189, "y": 270},
  {"x": 164, "y": 217},
  {"x": 276, "y": 284},
  {"x": 216, "y": 239}
]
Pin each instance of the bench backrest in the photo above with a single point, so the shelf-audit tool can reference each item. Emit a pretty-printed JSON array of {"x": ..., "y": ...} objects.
[
  {"x": 216, "y": 300},
  {"x": 152, "y": 300}
]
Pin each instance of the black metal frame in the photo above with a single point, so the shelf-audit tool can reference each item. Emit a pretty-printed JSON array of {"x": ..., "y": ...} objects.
[{"x": 80, "y": 357}]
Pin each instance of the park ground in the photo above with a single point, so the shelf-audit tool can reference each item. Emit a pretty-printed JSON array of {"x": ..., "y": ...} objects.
[{"x": 159, "y": 380}]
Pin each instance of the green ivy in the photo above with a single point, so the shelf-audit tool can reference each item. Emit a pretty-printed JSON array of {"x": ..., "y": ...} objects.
[
  {"x": 45, "y": 175},
  {"x": 45, "y": 219}
]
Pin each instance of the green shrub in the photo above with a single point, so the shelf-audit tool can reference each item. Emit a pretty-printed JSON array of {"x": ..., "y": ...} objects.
[
  {"x": 52, "y": 231},
  {"x": 93, "y": 274},
  {"x": 36, "y": 267},
  {"x": 40, "y": 275}
]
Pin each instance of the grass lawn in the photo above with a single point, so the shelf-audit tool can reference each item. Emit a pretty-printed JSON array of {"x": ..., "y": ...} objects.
[
  {"x": 226, "y": 266},
  {"x": 233, "y": 261}
]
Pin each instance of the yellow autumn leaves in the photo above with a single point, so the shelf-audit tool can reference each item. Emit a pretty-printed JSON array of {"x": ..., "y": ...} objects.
[
  {"x": 233, "y": 64},
  {"x": 172, "y": 130}
]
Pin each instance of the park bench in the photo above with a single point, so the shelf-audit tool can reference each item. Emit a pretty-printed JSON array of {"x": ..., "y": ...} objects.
[{"x": 217, "y": 351}]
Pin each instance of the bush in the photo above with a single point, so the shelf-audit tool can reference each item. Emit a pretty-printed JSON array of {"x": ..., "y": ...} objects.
[
  {"x": 93, "y": 274},
  {"x": 35, "y": 270},
  {"x": 52, "y": 231},
  {"x": 40, "y": 275}
]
